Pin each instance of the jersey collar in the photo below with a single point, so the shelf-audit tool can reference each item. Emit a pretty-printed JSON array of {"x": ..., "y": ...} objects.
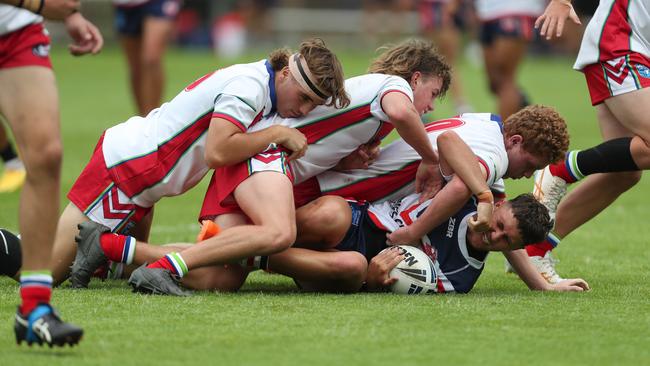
[{"x": 272, "y": 94}]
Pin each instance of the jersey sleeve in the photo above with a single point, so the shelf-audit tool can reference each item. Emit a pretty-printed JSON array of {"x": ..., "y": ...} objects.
[
  {"x": 241, "y": 102},
  {"x": 394, "y": 84}
]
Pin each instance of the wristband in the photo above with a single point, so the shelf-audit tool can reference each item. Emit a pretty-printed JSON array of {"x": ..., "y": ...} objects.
[{"x": 485, "y": 197}]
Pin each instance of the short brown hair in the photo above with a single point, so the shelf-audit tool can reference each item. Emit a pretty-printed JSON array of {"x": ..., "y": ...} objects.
[
  {"x": 533, "y": 220},
  {"x": 410, "y": 56},
  {"x": 323, "y": 64},
  {"x": 543, "y": 130}
]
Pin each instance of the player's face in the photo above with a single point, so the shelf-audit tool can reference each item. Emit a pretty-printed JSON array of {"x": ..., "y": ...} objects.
[
  {"x": 503, "y": 233},
  {"x": 521, "y": 163},
  {"x": 425, "y": 91},
  {"x": 292, "y": 100}
]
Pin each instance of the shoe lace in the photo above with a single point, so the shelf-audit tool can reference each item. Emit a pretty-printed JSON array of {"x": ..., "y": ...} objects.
[{"x": 555, "y": 193}]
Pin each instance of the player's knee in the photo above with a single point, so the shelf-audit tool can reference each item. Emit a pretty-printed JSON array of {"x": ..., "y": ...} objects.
[
  {"x": 281, "y": 238},
  {"x": 334, "y": 214},
  {"x": 349, "y": 266},
  {"x": 44, "y": 159},
  {"x": 151, "y": 63}
]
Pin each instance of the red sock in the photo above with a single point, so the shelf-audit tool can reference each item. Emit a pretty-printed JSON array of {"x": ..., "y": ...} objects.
[
  {"x": 539, "y": 249},
  {"x": 118, "y": 248},
  {"x": 35, "y": 288},
  {"x": 560, "y": 170},
  {"x": 163, "y": 263}
]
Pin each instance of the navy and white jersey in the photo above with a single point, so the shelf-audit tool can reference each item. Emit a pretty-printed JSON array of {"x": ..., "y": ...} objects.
[{"x": 446, "y": 244}]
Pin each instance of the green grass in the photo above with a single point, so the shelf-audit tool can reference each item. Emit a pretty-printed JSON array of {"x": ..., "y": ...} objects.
[{"x": 499, "y": 323}]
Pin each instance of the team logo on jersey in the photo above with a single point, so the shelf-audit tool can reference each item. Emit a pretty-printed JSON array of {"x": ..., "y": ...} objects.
[
  {"x": 450, "y": 227},
  {"x": 617, "y": 69},
  {"x": 41, "y": 50},
  {"x": 643, "y": 70}
]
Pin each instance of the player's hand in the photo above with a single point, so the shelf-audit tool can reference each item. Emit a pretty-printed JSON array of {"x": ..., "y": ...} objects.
[
  {"x": 361, "y": 158},
  {"x": 293, "y": 140},
  {"x": 554, "y": 16},
  {"x": 84, "y": 34},
  {"x": 573, "y": 284},
  {"x": 481, "y": 221},
  {"x": 402, "y": 236},
  {"x": 428, "y": 180},
  {"x": 59, "y": 9},
  {"x": 378, "y": 275}
]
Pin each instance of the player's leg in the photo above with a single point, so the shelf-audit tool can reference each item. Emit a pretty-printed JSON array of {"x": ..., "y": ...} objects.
[
  {"x": 13, "y": 172},
  {"x": 330, "y": 271},
  {"x": 64, "y": 249},
  {"x": 627, "y": 109},
  {"x": 508, "y": 52},
  {"x": 323, "y": 223},
  {"x": 156, "y": 33},
  {"x": 131, "y": 46},
  {"x": 29, "y": 101}
]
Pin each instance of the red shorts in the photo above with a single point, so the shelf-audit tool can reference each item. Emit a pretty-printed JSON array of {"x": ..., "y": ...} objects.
[
  {"x": 28, "y": 46},
  {"x": 219, "y": 198},
  {"x": 618, "y": 76},
  {"x": 97, "y": 196}
]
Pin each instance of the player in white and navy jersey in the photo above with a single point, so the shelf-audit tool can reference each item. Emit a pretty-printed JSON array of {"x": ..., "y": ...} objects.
[
  {"x": 351, "y": 238},
  {"x": 29, "y": 103},
  {"x": 615, "y": 59},
  {"x": 506, "y": 30},
  {"x": 138, "y": 162}
]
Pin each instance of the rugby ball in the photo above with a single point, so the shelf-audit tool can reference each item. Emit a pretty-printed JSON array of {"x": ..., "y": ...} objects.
[{"x": 415, "y": 274}]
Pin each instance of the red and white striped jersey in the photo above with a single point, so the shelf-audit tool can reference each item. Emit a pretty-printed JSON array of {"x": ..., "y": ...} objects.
[
  {"x": 13, "y": 18},
  {"x": 333, "y": 133},
  {"x": 487, "y": 10},
  {"x": 392, "y": 175},
  {"x": 617, "y": 28},
  {"x": 162, "y": 154}
]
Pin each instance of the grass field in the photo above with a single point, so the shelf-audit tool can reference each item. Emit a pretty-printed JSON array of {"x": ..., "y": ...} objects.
[{"x": 499, "y": 323}]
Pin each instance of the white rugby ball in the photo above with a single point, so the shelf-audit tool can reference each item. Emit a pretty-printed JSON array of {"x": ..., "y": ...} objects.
[{"x": 415, "y": 274}]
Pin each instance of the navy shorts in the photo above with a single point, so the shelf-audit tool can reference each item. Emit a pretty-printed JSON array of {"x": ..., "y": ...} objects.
[
  {"x": 363, "y": 236},
  {"x": 520, "y": 27},
  {"x": 129, "y": 19}
]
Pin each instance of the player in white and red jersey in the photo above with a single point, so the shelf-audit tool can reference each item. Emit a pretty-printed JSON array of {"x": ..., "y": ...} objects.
[
  {"x": 29, "y": 103},
  {"x": 615, "y": 58},
  {"x": 506, "y": 30},
  {"x": 138, "y": 162},
  {"x": 144, "y": 28}
]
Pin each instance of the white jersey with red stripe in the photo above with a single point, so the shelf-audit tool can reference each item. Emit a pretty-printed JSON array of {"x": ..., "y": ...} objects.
[
  {"x": 392, "y": 175},
  {"x": 13, "y": 18},
  {"x": 162, "y": 154},
  {"x": 487, "y": 10},
  {"x": 617, "y": 28},
  {"x": 446, "y": 244},
  {"x": 333, "y": 133}
]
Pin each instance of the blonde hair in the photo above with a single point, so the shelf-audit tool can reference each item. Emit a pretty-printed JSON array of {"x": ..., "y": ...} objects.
[
  {"x": 410, "y": 56},
  {"x": 543, "y": 130},
  {"x": 324, "y": 66}
]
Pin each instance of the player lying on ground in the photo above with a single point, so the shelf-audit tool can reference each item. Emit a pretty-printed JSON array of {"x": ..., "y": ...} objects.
[{"x": 208, "y": 124}]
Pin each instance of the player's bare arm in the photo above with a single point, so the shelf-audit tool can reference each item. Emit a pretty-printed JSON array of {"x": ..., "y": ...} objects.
[
  {"x": 531, "y": 277},
  {"x": 406, "y": 119},
  {"x": 227, "y": 144},
  {"x": 446, "y": 203}
]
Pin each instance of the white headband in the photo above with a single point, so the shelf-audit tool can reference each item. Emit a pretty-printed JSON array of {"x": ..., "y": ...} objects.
[{"x": 300, "y": 71}]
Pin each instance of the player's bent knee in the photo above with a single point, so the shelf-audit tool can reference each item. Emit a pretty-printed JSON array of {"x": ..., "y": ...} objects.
[
  {"x": 350, "y": 266},
  {"x": 627, "y": 180},
  {"x": 279, "y": 239}
]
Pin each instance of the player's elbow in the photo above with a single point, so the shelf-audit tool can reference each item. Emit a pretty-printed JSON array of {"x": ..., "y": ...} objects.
[
  {"x": 459, "y": 188},
  {"x": 216, "y": 159}
]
